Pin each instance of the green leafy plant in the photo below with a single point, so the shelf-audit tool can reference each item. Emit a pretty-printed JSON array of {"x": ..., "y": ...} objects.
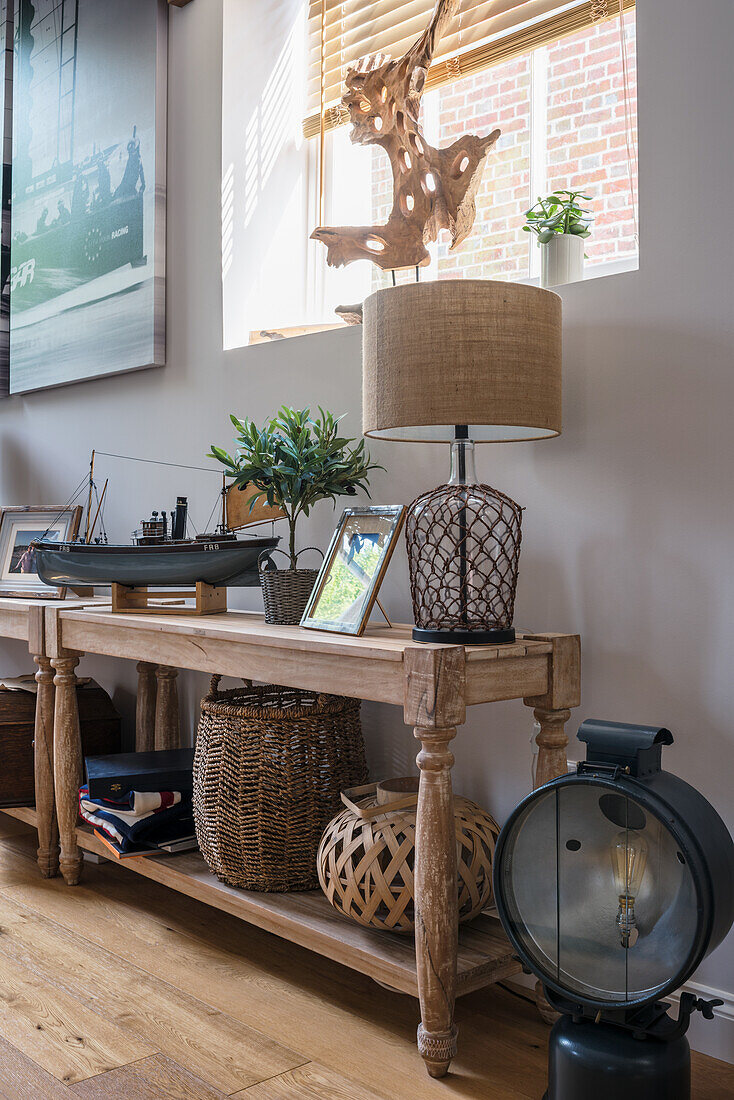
[
  {"x": 294, "y": 461},
  {"x": 559, "y": 213}
]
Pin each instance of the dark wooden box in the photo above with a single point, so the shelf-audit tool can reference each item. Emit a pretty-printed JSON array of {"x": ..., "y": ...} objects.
[{"x": 100, "y": 726}]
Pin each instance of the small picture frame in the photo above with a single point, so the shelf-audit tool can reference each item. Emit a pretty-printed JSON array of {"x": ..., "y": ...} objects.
[
  {"x": 19, "y": 527},
  {"x": 352, "y": 572}
]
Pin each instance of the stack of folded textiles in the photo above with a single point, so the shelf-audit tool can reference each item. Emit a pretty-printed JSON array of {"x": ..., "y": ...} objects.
[{"x": 140, "y": 821}]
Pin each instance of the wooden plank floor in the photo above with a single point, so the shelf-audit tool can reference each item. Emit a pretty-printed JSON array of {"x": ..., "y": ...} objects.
[
  {"x": 308, "y": 919},
  {"x": 123, "y": 990}
]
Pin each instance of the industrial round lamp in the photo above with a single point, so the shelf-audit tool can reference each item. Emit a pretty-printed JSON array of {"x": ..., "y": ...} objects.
[
  {"x": 462, "y": 361},
  {"x": 613, "y": 884}
]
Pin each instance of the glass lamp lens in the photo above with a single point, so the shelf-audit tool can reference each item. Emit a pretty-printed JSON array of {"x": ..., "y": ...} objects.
[{"x": 606, "y": 915}]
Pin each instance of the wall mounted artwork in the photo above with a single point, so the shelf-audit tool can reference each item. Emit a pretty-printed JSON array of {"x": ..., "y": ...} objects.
[
  {"x": 87, "y": 278},
  {"x": 6, "y": 149}
]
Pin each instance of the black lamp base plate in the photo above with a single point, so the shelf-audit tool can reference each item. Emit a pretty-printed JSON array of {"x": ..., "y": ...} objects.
[
  {"x": 465, "y": 637},
  {"x": 588, "y": 1060}
]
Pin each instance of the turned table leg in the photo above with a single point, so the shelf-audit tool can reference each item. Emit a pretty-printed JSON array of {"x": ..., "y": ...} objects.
[
  {"x": 67, "y": 765},
  {"x": 551, "y": 711},
  {"x": 552, "y": 742},
  {"x": 43, "y": 748},
  {"x": 435, "y": 689},
  {"x": 552, "y": 708},
  {"x": 145, "y": 707},
  {"x": 167, "y": 731},
  {"x": 436, "y": 909}
]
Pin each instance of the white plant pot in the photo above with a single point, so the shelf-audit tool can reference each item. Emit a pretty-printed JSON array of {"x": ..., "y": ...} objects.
[{"x": 562, "y": 260}]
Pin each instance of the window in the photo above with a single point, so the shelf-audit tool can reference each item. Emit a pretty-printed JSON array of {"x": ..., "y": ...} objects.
[
  {"x": 567, "y": 122},
  {"x": 554, "y": 84}
]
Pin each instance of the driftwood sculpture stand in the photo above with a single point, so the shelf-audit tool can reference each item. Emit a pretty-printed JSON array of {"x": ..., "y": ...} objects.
[{"x": 433, "y": 189}]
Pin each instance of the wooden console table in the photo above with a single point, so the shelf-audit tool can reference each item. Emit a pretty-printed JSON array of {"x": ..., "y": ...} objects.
[
  {"x": 157, "y": 718},
  {"x": 24, "y": 620},
  {"x": 432, "y": 683}
]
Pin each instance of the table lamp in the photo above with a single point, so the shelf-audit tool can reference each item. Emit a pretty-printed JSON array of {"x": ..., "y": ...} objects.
[{"x": 462, "y": 361}]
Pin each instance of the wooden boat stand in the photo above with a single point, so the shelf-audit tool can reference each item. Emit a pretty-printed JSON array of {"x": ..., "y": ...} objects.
[{"x": 140, "y": 601}]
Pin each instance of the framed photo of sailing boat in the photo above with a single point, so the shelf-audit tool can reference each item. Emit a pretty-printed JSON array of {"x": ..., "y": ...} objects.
[
  {"x": 20, "y": 527},
  {"x": 87, "y": 260},
  {"x": 6, "y": 150}
]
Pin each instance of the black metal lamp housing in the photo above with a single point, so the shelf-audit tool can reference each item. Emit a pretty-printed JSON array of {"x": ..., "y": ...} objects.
[{"x": 613, "y": 884}]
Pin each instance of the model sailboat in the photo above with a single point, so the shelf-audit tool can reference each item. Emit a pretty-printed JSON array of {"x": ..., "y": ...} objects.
[{"x": 161, "y": 554}]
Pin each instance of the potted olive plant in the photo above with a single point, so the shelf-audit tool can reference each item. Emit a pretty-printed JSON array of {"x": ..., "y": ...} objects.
[
  {"x": 561, "y": 226},
  {"x": 294, "y": 461}
]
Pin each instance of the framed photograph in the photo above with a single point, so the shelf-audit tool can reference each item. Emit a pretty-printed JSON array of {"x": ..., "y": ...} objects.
[
  {"x": 350, "y": 577},
  {"x": 19, "y": 527},
  {"x": 87, "y": 235}
]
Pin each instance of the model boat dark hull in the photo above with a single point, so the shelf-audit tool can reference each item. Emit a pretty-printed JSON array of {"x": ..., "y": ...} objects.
[{"x": 230, "y": 564}]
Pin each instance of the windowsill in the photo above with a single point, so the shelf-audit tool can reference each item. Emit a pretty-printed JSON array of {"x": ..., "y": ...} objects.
[
  {"x": 289, "y": 332},
  {"x": 599, "y": 271}
]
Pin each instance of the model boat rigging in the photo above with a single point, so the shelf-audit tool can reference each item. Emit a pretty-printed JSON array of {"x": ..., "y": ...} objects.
[{"x": 161, "y": 553}]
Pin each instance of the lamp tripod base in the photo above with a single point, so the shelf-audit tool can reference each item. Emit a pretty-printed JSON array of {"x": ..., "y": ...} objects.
[{"x": 465, "y": 637}]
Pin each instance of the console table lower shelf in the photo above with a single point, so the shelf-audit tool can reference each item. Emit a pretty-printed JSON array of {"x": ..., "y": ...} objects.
[{"x": 306, "y": 918}]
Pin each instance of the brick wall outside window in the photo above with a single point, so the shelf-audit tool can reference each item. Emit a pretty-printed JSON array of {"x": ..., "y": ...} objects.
[
  {"x": 499, "y": 97},
  {"x": 586, "y": 105},
  {"x": 586, "y": 148}
]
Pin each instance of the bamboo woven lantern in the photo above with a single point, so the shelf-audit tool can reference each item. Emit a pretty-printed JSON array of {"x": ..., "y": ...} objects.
[
  {"x": 367, "y": 853},
  {"x": 462, "y": 361}
]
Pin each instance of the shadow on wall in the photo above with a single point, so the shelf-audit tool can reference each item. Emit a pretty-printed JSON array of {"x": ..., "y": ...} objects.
[
  {"x": 124, "y": 700},
  {"x": 20, "y": 469},
  {"x": 633, "y": 506}
]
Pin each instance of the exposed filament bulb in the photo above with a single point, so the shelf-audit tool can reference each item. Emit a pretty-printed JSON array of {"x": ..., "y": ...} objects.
[{"x": 628, "y": 851}]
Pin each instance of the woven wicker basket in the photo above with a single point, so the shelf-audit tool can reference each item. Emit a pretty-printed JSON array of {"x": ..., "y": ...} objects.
[
  {"x": 367, "y": 854},
  {"x": 269, "y": 765},
  {"x": 286, "y": 591}
]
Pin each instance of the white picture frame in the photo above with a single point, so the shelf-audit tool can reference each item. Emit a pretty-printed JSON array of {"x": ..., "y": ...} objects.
[{"x": 20, "y": 526}]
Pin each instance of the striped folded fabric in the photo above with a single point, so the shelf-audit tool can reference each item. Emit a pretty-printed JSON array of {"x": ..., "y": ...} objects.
[
  {"x": 137, "y": 803},
  {"x": 131, "y": 830}
]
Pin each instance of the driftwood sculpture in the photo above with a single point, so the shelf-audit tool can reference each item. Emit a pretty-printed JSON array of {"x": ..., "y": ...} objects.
[{"x": 433, "y": 189}]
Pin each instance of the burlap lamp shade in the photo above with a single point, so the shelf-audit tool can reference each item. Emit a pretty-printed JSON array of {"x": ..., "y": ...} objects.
[
  {"x": 462, "y": 361},
  {"x": 462, "y": 351}
]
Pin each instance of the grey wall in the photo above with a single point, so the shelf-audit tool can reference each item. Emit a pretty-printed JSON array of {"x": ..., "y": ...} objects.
[{"x": 629, "y": 524}]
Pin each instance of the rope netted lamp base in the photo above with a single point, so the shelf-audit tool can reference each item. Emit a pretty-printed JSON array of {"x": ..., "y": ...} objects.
[
  {"x": 463, "y": 551},
  {"x": 462, "y": 361}
]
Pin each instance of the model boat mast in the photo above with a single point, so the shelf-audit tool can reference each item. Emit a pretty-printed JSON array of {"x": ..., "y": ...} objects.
[{"x": 89, "y": 497}]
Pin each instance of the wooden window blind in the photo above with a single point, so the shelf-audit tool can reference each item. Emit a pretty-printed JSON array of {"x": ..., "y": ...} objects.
[{"x": 484, "y": 33}]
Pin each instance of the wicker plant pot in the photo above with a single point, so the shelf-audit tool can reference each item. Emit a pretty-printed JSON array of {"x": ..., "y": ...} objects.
[
  {"x": 269, "y": 765},
  {"x": 367, "y": 853},
  {"x": 286, "y": 591}
]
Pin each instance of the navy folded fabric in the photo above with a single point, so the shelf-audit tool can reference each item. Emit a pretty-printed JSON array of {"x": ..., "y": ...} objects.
[{"x": 151, "y": 830}]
